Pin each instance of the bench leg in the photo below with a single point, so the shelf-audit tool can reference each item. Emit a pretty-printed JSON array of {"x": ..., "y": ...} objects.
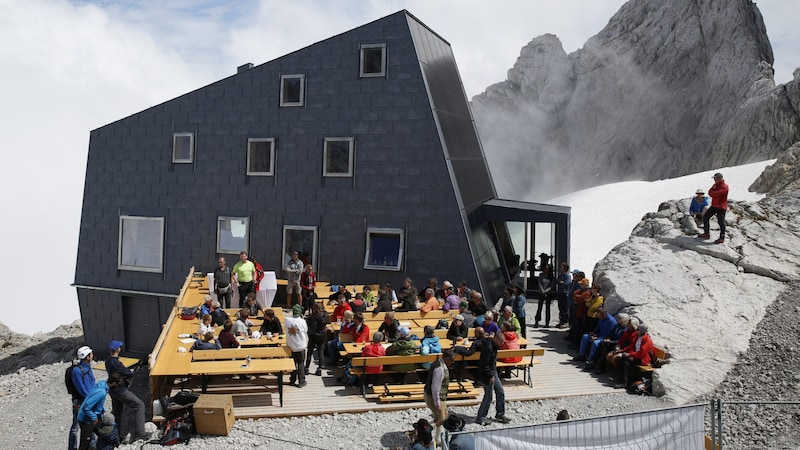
[
  {"x": 204, "y": 383},
  {"x": 280, "y": 388}
]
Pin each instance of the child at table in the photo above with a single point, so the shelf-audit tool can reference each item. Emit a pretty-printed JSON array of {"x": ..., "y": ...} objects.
[{"x": 205, "y": 325}]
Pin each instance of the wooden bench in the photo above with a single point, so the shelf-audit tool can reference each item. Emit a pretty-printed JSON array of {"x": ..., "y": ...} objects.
[
  {"x": 233, "y": 361},
  {"x": 360, "y": 363},
  {"x": 525, "y": 365},
  {"x": 416, "y": 392},
  {"x": 657, "y": 352}
]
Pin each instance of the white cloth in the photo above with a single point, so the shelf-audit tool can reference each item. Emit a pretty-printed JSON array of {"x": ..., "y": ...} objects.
[{"x": 296, "y": 333}]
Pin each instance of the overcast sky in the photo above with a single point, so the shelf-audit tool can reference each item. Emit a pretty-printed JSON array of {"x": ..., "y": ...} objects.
[{"x": 69, "y": 67}]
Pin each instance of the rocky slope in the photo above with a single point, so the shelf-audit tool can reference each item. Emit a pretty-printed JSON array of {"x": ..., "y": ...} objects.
[
  {"x": 665, "y": 89},
  {"x": 704, "y": 300}
]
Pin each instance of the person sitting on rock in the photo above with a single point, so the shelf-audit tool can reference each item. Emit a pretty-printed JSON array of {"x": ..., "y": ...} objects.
[
  {"x": 628, "y": 336},
  {"x": 699, "y": 205},
  {"x": 608, "y": 344}
]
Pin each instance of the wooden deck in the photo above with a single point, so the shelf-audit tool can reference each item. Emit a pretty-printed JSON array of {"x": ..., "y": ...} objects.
[{"x": 555, "y": 376}]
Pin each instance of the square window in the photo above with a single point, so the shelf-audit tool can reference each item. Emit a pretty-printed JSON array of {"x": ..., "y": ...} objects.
[
  {"x": 384, "y": 249},
  {"x": 300, "y": 239},
  {"x": 141, "y": 243},
  {"x": 373, "y": 60},
  {"x": 260, "y": 156},
  {"x": 232, "y": 234},
  {"x": 183, "y": 148},
  {"x": 292, "y": 90},
  {"x": 338, "y": 157}
]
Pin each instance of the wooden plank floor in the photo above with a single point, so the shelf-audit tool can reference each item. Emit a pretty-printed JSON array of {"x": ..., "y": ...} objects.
[{"x": 555, "y": 376}]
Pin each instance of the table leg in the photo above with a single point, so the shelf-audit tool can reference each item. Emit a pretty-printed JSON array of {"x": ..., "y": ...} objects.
[{"x": 280, "y": 387}]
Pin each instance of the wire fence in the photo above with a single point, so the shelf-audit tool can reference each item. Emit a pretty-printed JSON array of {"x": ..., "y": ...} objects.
[{"x": 738, "y": 424}]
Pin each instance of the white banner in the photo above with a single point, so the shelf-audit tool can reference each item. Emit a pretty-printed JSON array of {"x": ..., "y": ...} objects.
[{"x": 673, "y": 428}]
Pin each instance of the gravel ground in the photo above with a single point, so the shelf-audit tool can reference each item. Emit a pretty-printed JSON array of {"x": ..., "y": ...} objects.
[{"x": 40, "y": 417}]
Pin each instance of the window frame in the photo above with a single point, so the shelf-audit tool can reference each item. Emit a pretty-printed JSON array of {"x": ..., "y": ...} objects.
[
  {"x": 302, "y": 100},
  {"x": 362, "y": 60},
  {"x": 271, "y": 171},
  {"x": 286, "y": 253},
  {"x": 246, "y": 237},
  {"x": 349, "y": 173},
  {"x": 121, "y": 240},
  {"x": 400, "y": 253},
  {"x": 175, "y": 137}
]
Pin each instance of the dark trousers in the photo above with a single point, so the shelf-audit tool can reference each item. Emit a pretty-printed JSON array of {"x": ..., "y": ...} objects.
[
  {"x": 244, "y": 289},
  {"x": 544, "y": 300},
  {"x": 626, "y": 367},
  {"x": 299, "y": 373},
  {"x": 720, "y": 213},
  {"x": 563, "y": 308},
  {"x": 122, "y": 397},
  {"x": 319, "y": 346},
  {"x": 522, "y": 326},
  {"x": 225, "y": 299},
  {"x": 87, "y": 431}
]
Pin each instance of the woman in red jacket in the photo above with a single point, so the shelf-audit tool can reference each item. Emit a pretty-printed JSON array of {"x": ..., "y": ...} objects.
[{"x": 635, "y": 354}]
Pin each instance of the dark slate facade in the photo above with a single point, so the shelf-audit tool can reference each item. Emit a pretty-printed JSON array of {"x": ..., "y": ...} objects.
[{"x": 418, "y": 166}]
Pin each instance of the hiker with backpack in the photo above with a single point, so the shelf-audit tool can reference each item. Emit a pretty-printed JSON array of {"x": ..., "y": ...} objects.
[
  {"x": 91, "y": 412},
  {"x": 121, "y": 396},
  {"x": 80, "y": 381}
]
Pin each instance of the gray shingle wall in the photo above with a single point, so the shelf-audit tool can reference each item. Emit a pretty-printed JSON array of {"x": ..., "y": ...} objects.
[{"x": 401, "y": 177}]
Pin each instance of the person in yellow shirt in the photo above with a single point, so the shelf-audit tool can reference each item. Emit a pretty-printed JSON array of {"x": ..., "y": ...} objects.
[
  {"x": 244, "y": 272},
  {"x": 593, "y": 304}
]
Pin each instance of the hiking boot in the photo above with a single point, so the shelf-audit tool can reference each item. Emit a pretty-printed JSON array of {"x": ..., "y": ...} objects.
[
  {"x": 536, "y": 325},
  {"x": 703, "y": 236},
  {"x": 482, "y": 421},
  {"x": 589, "y": 367},
  {"x": 318, "y": 372},
  {"x": 302, "y": 384},
  {"x": 720, "y": 241},
  {"x": 502, "y": 418}
]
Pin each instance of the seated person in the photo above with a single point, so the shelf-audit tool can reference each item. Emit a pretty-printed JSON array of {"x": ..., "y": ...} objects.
[
  {"x": 357, "y": 305},
  {"x": 463, "y": 311},
  {"x": 635, "y": 354},
  {"x": 455, "y": 424},
  {"x": 334, "y": 298},
  {"x": 451, "y": 300},
  {"x": 387, "y": 297},
  {"x": 507, "y": 315},
  {"x": 699, "y": 204},
  {"x": 341, "y": 307},
  {"x": 590, "y": 342},
  {"x": 510, "y": 342},
  {"x": 431, "y": 302},
  {"x": 373, "y": 349},
  {"x": 390, "y": 327},
  {"x": 627, "y": 337},
  {"x": 403, "y": 346},
  {"x": 489, "y": 325},
  {"x": 368, "y": 296},
  {"x": 252, "y": 307},
  {"x": 422, "y": 436},
  {"x": 610, "y": 343},
  {"x": 428, "y": 345},
  {"x": 458, "y": 329},
  {"x": 226, "y": 339},
  {"x": 205, "y": 325},
  {"x": 271, "y": 324},
  {"x": 360, "y": 329},
  {"x": 242, "y": 325},
  {"x": 206, "y": 342},
  {"x": 208, "y": 305},
  {"x": 407, "y": 297},
  {"x": 336, "y": 344},
  {"x": 478, "y": 307}
]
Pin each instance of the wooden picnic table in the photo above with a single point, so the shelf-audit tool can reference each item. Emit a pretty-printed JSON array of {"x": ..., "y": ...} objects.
[
  {"x": 278, "y": 366},
  {"x": 354, "y": 348}
]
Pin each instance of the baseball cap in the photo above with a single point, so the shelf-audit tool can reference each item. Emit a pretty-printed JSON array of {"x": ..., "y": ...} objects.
[
  {"x": 84, "y": 351},
  {"x": 113, "y": 345},
  {"x": 717, "y": 175},
  {"x": 404, "y": 331}
]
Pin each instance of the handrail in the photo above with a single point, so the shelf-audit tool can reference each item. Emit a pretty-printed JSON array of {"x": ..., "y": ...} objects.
[{"x": 166, "y": 326}]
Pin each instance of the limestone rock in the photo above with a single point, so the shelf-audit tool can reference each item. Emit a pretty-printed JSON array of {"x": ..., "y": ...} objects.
[
  {"x": 778, "y": 176},
  {"x": 665, "y": 89},
  {"x": 703, "y": 300}
]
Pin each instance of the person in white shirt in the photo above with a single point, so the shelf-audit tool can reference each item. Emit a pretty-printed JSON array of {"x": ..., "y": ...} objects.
[
  {"x": 297, "y": 339},
  {"x": 205, "y": 325}
]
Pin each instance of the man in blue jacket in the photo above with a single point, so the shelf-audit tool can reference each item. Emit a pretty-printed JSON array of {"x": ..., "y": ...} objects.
[
  {"x": 91, "y": 411},
  {"x": 604, "y": 330},
  {"x": 83, "y": 380}
]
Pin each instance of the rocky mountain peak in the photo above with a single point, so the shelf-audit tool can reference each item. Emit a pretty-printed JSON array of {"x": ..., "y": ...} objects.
[{"x": 665, "y": 89}]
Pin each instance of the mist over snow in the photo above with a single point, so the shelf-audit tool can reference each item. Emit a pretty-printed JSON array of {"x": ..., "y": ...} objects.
[{"x": 604, "y": 216}]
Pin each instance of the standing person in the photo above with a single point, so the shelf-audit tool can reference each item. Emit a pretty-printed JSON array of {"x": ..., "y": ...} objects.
[
  {"x": 563, "y": 283},
  {"x": 222, "y": 283},
  {"x": 507, "y": 299},
  {"x": 436, "y": 385},
  {"x": 121, "y": 396},
  {"x": 317, "y": 332},
  {"x": 297, "y": 340},
  {"x": 487, "y": 374},
  {"x": 259, "y": 274},
  {"x": 93, "y": 407},
  {"x": 719, "y": 206},
  {"x": 244, "y": 272},
  {"x": 294, "y": 269},
  {"x": 519, "y": 308},
  {"x": 308, "y": 282},
  {"x": 83, "y": 381},
  {"x": 545, "y": 297}
]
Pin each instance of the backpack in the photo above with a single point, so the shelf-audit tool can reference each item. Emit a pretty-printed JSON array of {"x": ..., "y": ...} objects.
[
  {"x": 219, "y": 317},
  {"x": 71, "y": 389},
  {"x": 190, "y": 313},
  {"x": 177, "y": 430}
]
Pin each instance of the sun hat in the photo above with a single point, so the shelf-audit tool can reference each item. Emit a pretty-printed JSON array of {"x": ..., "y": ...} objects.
[
  {"x": 459, "y": 317},
  {"x": 700, "y": 191},
  {"x": 84, "y": 351},
  {"x": 454, "y": 423}
]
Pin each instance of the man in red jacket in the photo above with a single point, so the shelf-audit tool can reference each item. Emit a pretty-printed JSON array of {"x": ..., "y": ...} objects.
[{"x": 719, "y": 206}]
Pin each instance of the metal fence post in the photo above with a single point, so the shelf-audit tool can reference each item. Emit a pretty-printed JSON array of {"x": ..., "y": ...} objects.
[
  {"x": 719, "y": 415},
  {"x": 713, "y": 415}
]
